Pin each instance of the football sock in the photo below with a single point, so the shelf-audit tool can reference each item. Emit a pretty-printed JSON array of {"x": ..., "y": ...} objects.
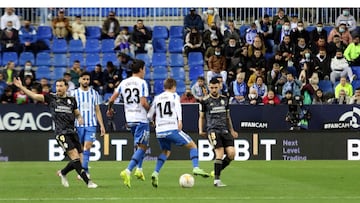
[
  {"x": 139, "y": 154},
  {"x": 160, "y": 162},
  {"x": 69, "y": 167},
  {"x": 80, "y": 170},
  {"x": 194, "y": 157},
  {"x": 217, "y": 168},
  {"x": 225, "y": 162},
  {"x": 140, "y": 162},
  {"x": 85, "y": 161}
]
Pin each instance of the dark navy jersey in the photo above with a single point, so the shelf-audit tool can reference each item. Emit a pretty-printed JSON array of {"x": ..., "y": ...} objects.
[
  {"x": 215, "y": 110},
  {"x": 62, "y": 112}
]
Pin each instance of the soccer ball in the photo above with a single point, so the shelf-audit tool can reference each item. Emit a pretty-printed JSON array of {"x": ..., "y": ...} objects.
[{"x": 186, "y": 180}]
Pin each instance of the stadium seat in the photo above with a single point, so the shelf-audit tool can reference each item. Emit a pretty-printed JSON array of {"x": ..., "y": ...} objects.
[
  {"x": 160, "y": 32},
  {"x": 195, "y": 58},
  {"x": 123, "y": 12},
  {"x": 44, "y": 32},
  {"x": 326, "y": 86},
  {"x": 43, "y": 59},
  {"x": 310, "y": 28},
  {"x": 328, "y": 29},
  {"x": 74, "y": 11},
  {"x": 91, "y": 12},
  {"x": 59, "y": 72},
  {"x": 44, "y": 72},
  {"x": 176, "y": 60},
  {"x": 26, "y": 56},
  {"x": 107, "y": 96},
  {"x": 176, "y": 45},
  {"x": 76, "y": 46},
  {"x": 145, "y": 58},
  {"x": 243, "y": 29},
  {"x": 156, "y": 12},
  {"x": 159, "y": 59},
  {"x": 48, "y": 43},
  {"x": 59, "y": 46},
  {"x": 76, "y": 56},
  {"x": 356, "y": 71},
  {"x": 172, "y": 11},
  {"x": 93, "y": 32},
  {"x": 60, "y": 60},
  {"x": 180, "y": 87},
  {"x": 159, "y": 45},
  {"x": 178, "y": 73},
  {"x": 10, "y": 56},
  {"x": 92, "y": 59},
  {"x": 92, "y": 46},
  {"x": 176, "y": 31},
  {"x": 105, "y": 11},
  {"x": 195, "y": 72},
  {"x": 159, "y": 73},
  {"x": 158, "y": 86},
  {"x": 355, "y": 84},
  {"x": 107, "y": 45},
  {"x": 139, "y": 12},
  {"x": 109, "y": 57},
  {"x": 148, "y": 74}
]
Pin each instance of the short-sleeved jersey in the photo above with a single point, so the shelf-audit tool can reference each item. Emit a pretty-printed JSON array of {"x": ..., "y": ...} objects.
[
  {"x": 62, "y": 112},
  {"x": 215, "y": 110},
  {"x": 131, "y": 90},
  {"x": 167, "y": 109},
  {"x": 86, "y": 103}
]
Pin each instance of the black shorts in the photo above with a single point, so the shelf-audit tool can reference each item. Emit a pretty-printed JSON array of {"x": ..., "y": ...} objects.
[
  {"x": 69, "y": 141},
  {"x": 220, "y": 139}
]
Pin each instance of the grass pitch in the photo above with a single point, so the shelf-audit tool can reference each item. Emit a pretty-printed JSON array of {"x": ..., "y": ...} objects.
[{"x": 249, "y": 181}]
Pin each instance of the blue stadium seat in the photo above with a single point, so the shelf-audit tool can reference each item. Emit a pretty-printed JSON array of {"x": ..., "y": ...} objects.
[
  {"x": 178, "y": 73},
  {"x": 176, "y": 60},
  {"x": 185, "y": 11},
  {"x": 60, "y": 60},
  {"x": 139, "y": 12},
  {"x": 157, "y": 12},
  {"x": 145, "y": 57},
  {"x": 326, "y": 86},
  {"x": 44, "y": 32},
  {"x": 48, "y": 43},
  {"x": 92, "y": 46},
  {"x": 328, "y": 29},
  {"x": 93, "y": 32},
  {"x": 195, "y": 72},
  {"x": 123, "y": 12},
  {"x": 159, "y": 59},
  {"x": 176, "y": 45},
  {"x": 159, "y": 73},
  {"x": 160, "y": 31},
  {"x": 92, "y": 59},
  {"x": 180, "y": 87},
  {"x": 176, "y": 31},
  {"x": 74, "y": 11},
  {"x": 109, "y": 57},
  {"x": 107, "y": 96},
  {"x": 310, "y": 28},
  {"x": 243, "y": 29},
  {"x": 43, "y": 59},
  {"x": 59, "y": 72},
  {"x": 59, "y": 46},
  {"x": 107, "y": 45},
  {"x": 76, "y": 56},
  {"x": 76, "y": 46},
  {"x": 44, "y": 72},
  {"x": 91, "y": 12},
  {"x": 148, "y": 74},
  {"x": 195, "y": 58},
  {"x": 158, "y": 86},
  {"x": 26, "y": 56},
  {"x": 105, "y": 11},
  {"x": 10, "y": 56},
  {"x": 356, "y": 71},
  {"x": 159, "y": 45},
  {"x": 355, "y": 84},
  {"x": 172, "y": 11}
]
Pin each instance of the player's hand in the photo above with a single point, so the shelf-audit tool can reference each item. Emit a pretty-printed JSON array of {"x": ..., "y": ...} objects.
[
  {"x": 110, "y": 112},
  {"x": 203, "y": 134},
  {"x": 80, "y": 120},
  {"x": 102, "y": 131},
  {"x": 234, "y": 134},
  {"x": 17, "y": 82}
]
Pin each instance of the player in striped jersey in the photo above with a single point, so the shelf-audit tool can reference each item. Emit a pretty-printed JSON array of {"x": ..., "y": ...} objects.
[
  {"x": 134, "y": 91},
  {"x": 88, "y": 101},
  {"x": 168, "y": 118}
]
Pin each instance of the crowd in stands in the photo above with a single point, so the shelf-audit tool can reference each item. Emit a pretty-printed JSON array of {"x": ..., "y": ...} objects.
[{"x": 267, "y": 62}]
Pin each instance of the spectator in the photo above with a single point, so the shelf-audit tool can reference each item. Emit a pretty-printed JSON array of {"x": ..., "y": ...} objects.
[
  {"x": 238, "y": 63},
  {"x": 97, "y": 79},
  {"x": 257, "y": 61},
  {"x": 229, "y": 51},
  {"x": 343, "y": 32},
  {"x": 187, "y": 97},
  {"x": 111, "y": 27},
  {"x": 342, "y": 98},
  {"x": 347, "y": 19},
  {"x": 315, "y": 34},
  {"x": 319, "y": 44},
  {"x": 9, "y": 39},
  {"x": 319, "y": 97},
  {"x": 288, "y": 98},
  {"x": 253, "y": 98},
  {"x": 258, "y": 43},
  {"x": 299, "y": 32},
  {"x": 20, "y": 97},
  {"x": 265, "y": 29},
  {"x": 9, "y": 73},
  {"x": 27, "y": 82},
  {"x": 78, "y": 30},
  {"x": 335, "y": 45},
  {"x": 277, "y": 58},
  {"x": 252, "y": 79},
  {"x": 122, "y": 41},
  {"x": 250, "y": 34},
  {"x": 294, "y": 21},
  {"x": 292, "y": 85},
  {"x": 199, "y": 89},
  {"x": 271, "y": 98},
  {"x": 140, "y": 39},
  {"x": 287, "y": 49},
  {"x": 45, "y": 89},
  {"x": 311, "y": 86},
  {"x": 343, "y": 85},
  {"x": 211, "y": 49},
  {"x": 71, "y": 85},
  {"x": 232, "y": 32},
  {"x": 275, "y": 79},
  {"x": 192, "y": 20},
  {"x": 356, "y": 98},
  {"x": 75, "y": 72},
  {"x": 279, "y": 20},
  {"x": 125, "y": 62},
  {"x": 260, "y": 87},
  {"x": 352, "y": 52},
  {"x": 27, "y": 71},
  {"x": 211, "y": 33},
  {"x": 238, "y": 89},
  {"x": 340, "y": 68},
  {"x": 111, "y": 78},
  {"x": 210, "y": 18},
  {"x": 61, "y": 26},
  {"x": 193, "y": 42},
  {"x": 28, "y": 37},
  {"x": 7, "y": 97},
  {"x": 322, "y": 63},
  {"x": 10, "y": 15},
  {"x": 217, "y": 65},
  {"x": 3, "y": 84},
  {"x": 283, "y": 31}
]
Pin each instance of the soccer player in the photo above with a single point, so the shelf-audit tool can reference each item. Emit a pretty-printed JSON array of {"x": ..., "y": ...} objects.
[
  {"x": 64, "y": 110},
  {"x": 215, "y": 110},
  {"x": 167, "y": 109},
  {"x": 134, "y": 91},
  {"x": 88, "y": 102}
]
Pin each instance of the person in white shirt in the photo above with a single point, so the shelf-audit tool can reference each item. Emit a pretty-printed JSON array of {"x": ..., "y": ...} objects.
[
  {"x": 168, "y": 119},
  {"x": 10, "y": 15},
  {"x": 340, "y": 68},
  {"x": 78, "y": 30}
]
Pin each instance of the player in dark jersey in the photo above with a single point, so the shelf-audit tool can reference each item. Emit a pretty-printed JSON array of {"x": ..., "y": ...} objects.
[
  {"x": 214, "y": 109},
  {"x": 64, "y": 111}
]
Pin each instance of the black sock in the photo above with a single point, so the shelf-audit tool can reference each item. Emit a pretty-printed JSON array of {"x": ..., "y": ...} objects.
[
  {"x": 80, "y": 170},
  {"x": 69, "y": 167},
  {"x": 218, "y": 167},
  {"x": 225, "y": 162}
]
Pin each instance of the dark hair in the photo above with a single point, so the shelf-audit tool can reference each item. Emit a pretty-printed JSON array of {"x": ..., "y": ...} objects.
[
  {"x": 169, "y": 83},
  {"x": 62, "y": 80},
  {"x": 214, "y": 81},
  {"x": 76, "y": 61},
  {"x": 137, "y": 65},
  {"x": 201, "y": 78},
  {"x": 85, "y": 73}
]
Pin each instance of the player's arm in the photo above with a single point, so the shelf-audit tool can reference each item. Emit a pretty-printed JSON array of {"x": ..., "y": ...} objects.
[
  {"x": 34, "y": 96},
  {"x": 100, "y": 120},
  {"x": 110, "y": 110},
  {"x": 230, "y": 126},
  {"x": 78, "y": 116},
  {"x": 144, "y": 103}
]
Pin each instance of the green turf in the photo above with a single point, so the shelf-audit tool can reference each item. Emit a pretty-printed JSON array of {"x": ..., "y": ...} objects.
[{"x": 249, "y": 181}]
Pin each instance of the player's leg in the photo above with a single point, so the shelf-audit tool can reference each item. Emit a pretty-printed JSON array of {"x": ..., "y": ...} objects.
[
  {"x": 216, "y": 141},
  {"x": 165, "y": 146},
  {"x": 89, "y": 138},
  {"x": 228, "y": 143}
]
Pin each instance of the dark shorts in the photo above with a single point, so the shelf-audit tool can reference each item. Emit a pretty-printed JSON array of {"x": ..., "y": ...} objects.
[
  {"x": 220, "y": 139},
  {"x": 69, "y": 141}
]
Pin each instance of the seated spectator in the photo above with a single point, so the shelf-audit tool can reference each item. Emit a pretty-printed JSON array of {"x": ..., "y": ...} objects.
[
  {"x": 27, "y": 71},
  {"x": 9, "y": 39},
  {"x": 343, "y": 32},
  {"x": 28, "y": 82},
  {"x": 315, "y": 34},
  {"x": 311, "y": 86},
  {"x": 28, "y": 37},
  {"x": 343, "y": 85},
  {"x": 71, "y": 85},
  {"x": 232, "y": 32},
  {"x": 349, "y": 20},
  {"x": 125, "y": 62},
  {"x": 259, "y": 44},
  {"x": 140, "y": 39},
  {"x": 270, "y": 98},
  {"x": 211, "y": 49},
  {"x": 355, "y": 99},
  {"x": 78, "y": 30},
  {"x": 210, "y": 16},
  {"x": 7, "y": 97},
  {"x": 193, "y": 42},
  {"x": 342, "y": 98},
  {"x": 275, "y": 79},
  {"x": 61, "y": 26},
  {"x": 223, "y": 87},
  {"x": 212, "y": 32},
  {"x": 251, "y": 33},
  {"x": 265, "y": 29},
  {"x": 260, "y": 87},
  {"x": 97, "y": 79},
  {"x": 238, "y": 89},
  {"x": 111, "y": 27},
  {"x": 299, "y": 32},
  {"x": 75, "y": 72},
  {"x": 340, "y": 68},
  {"x": 335, "y": 45},
  {"x": 352, "y": 52},
  {"x": 253, "y": 98},
  {"x": 253, "y": 76},
  {"x": 187, "y": 97},
  {"x": 20, "y": 97},
  {"x": 229, "y": 50},
  {"x": 319, "y": 97},
  {"x": 45, "y": 89},
  {"x": 122, "y": 41},
  {"x": 111, "y": 78},
  {"x": 199, "y": 89},
  {"x": 217, "y": 65},
  {"x": 288, "y": 98},
  {"x": 238, "y": 63},
  {"x": 257, "y": 61},
  {"x": 9, "y": 73},
  {"x": 9, "y": 15},
  {"x": 292, "y": 84},
  {"x": 323, "y": 64},
  {"x": 3, "y": 84},
  {"x": 193, "y": 20}
]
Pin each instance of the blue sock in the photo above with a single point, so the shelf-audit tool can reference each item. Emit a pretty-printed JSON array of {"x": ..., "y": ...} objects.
[
  {"x": 194, "y": 157},
  {"x": 137, "y": 156},
  {"x": 140, "y": 163},
  {"x": 160, "y": 162},
  {"x": 85, "y": 162}
]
